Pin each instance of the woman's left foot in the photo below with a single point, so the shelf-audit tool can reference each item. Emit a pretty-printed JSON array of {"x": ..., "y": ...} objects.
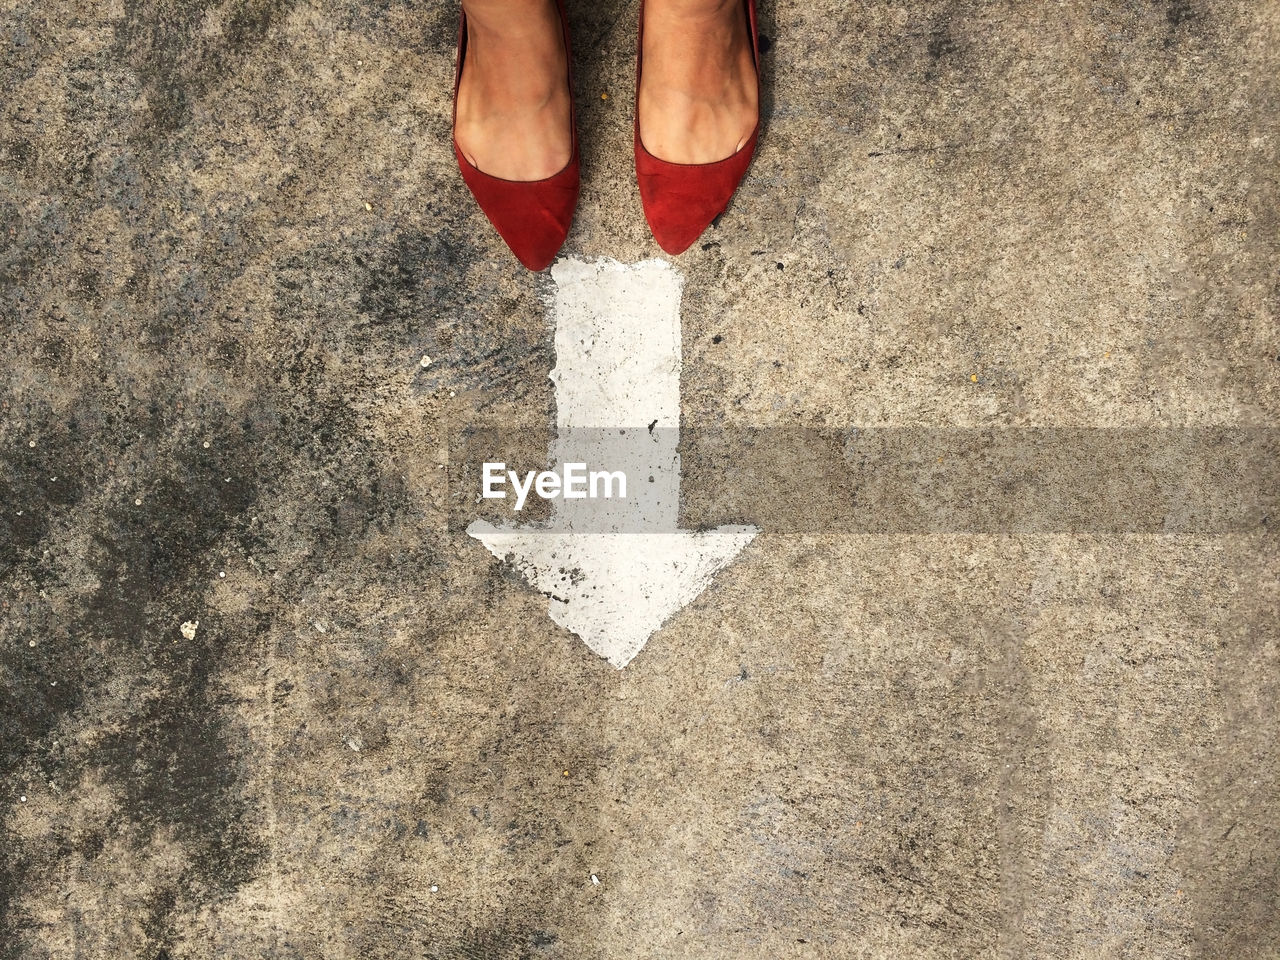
[{"x": 698, "y": 100}]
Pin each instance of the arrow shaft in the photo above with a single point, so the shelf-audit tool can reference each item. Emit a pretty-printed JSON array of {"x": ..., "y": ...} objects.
[
  {"x": 617, "y": 386},
  {"x": 617, "y": 344}
]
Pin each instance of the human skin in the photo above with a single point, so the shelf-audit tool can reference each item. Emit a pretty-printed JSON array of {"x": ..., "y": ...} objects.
[{"x": 697, "y": 98}]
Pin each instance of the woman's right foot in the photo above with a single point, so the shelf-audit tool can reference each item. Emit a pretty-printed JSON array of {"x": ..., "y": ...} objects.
[
  {"x": 698, "y": 100},
  {"x": 513, "y": 108},
  {"x": 698, "y": 113}
]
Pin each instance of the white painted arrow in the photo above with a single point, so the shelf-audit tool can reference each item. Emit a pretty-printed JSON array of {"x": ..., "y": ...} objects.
[{"x": 617, "y": 380}]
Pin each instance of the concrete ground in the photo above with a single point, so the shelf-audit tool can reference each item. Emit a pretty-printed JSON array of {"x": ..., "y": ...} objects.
[{"x": 230, "y": 229}]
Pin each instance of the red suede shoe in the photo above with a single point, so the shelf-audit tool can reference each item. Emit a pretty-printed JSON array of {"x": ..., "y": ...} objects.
[
  {"x": 681, "y": 199},
  {"x": 532, "y": 216}
]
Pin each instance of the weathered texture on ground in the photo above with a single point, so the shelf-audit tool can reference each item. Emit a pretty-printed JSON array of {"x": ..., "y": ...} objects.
[{"x": 228, "y": 233}]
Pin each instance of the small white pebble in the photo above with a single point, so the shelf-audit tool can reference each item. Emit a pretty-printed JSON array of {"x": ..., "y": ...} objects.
[
  {"x": 31, "y": 643},
  {"x": 368, "y": 205},
  {"x": 595, "y": 879},
  {"x": 206, "y": 444},
  {"x": 222, "y": 574},
  {"x": 452, "y": 394},
  {"x": 425, "y": 361},
  {"x": 31, "y": 443},
  {"x": 137, "y": 503},
  {"x": 23, "y": 799},
  {"x": 359, "y": 63},
  {"x": 434, "y": 888},
  {"x": 189, "y": 629}
]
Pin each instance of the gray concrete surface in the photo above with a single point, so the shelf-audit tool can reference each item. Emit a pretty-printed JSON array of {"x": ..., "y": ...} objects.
[{"x": 229, "y": 231}]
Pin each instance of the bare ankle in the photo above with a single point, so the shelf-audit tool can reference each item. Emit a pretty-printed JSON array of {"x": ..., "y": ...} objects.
[
  {"x": 710, "y": 11},
  {"x": 521, "y": 58},
  {"x": 512, "y": 20}
]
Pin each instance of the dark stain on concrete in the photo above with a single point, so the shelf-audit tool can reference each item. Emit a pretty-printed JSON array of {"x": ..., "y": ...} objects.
[
  {"x": 411, "y": 280},
  {"x": 168, "y": 755},
  {"x": 1179, "y": 12},
  {"x": 22, "y": 248},
  {"x": 164, "y": 42},
  {"x": 501, "y": 943},
  {"x": 941, "y": 42}
]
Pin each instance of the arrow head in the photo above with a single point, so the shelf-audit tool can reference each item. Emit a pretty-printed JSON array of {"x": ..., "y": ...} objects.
[{"x": 615, "y": 590}]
